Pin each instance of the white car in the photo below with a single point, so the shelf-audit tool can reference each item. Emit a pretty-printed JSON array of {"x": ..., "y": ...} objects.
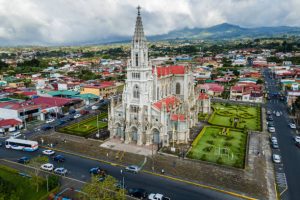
[
  {"x": 77, "y": 115},
  {"x": 277, "y": 114},
  {"x": 48, "y": 152},
  {"x": 297, "y": 139},
  {"x": 132, "y": 168},
  {"x": 95, "y": 107},
  {"x": 61, "y": 171},
  {"x": 271, "y": 129},
  {"x": 273, "y": 139},
  {"x": 292, "y": 126},
  {"x": 50, "y": 120},
  {"x": 276, "y": 158},
  {"x": 47, "y": 167},
  {"x": 157, "y": 196}
]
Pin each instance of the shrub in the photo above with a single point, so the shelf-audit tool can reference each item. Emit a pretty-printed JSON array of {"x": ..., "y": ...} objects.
[
  {"x": 210, "y": 142},
  {"x": 227, "y": 144},
  {"x": 219, "y": 161},
  {"x": 203, "y": 157},
  {"x": 208, "y": 149}
]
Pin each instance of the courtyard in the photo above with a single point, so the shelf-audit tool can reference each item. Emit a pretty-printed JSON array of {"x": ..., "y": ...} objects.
[
  {"x": 221, "y": 145},
  {"x": 87, "y": 126},
  {"x": 236, "y": 116}
]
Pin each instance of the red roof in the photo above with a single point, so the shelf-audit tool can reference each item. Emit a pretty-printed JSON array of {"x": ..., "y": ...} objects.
[
  {"x": 237, "y": 88},
  {"x": 215, "y": 87},
  {"x": 46, "y": 102},
  {"x": 101, "y": 85},
  {"x": 177, "y": 117},
  {"x": 28, "y": 93},
  {"x": 9, "y": 122},
  {"x": 203, "y": 96},
  {"x": 170, "y": 70},
  {"x": 19, "y": 106},
  {"x": 169, "y": 101}
]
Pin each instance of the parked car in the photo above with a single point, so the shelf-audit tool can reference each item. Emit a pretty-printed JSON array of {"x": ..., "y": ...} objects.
[
  {"x": 46, "y": 127},
  {"x": 61, "y": 171},
  {"x": 59, "y": 158},
  {"x": 292, "y": 126},
  {"x": 297, "y": 138},
  {"x": 48, "y": 152},
  {"x": 47, "y": 167},
  {"x": 270, "y": 124},
  {"x": 50, "y": 120},
  {"x": 132, "y": 168},
  {"x": 297, "y": 144},
  {"x": 269, "y": 112},
  {"x": 270, "y": 118},
  {"x": 277, "y": 114},
  {"x": 276, "y": 158},
  {"x": 94, "y": 107},
  {"x": 77, "y": 115},
  {"x": 157, "y": 196},
  {"x": 137, "y": 193},
  {"x": 72, "y": 112},
  {"x": 271, "y": 129},
  {"x": 24, "y": 160},
  {"x": 273, "y": 139},
  {"x": 275, "y": 145},
  {"x": 97, "y": 171},
  {"x": 15, "y": 134}
]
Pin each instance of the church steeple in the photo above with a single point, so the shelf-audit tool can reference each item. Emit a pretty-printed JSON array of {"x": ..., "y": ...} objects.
[{"x": 139, "y": 36}]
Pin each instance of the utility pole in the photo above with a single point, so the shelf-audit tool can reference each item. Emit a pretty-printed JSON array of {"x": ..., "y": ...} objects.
[
  {"x": 98, "y": 125},
  {"x": 152, "y": 153},
  {"x": 25, "y": 128},
  {"x": 47, "y": 183}
]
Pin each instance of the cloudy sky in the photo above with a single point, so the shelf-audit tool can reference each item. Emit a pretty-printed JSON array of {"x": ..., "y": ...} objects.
[{"x": 49, "y": 22}]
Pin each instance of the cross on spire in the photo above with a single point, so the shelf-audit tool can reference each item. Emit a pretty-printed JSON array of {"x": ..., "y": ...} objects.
[{"x": 139, "y": 9}]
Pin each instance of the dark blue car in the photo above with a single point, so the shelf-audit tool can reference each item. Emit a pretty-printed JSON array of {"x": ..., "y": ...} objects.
[
  {"x": 24, "y": 160},
  {"x": 97, "y": 171},
  {"x": 59, "y": 158}
]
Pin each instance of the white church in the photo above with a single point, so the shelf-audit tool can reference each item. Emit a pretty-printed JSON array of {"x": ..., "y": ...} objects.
[{"x": 159, "y": 104}]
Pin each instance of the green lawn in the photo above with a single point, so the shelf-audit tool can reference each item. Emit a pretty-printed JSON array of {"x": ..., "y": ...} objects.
[
  {"x": 23, "y": 188},
  {"x": 227, "y": 149},
  {"x": 236, "y": 116},
  {"x": 85, "y": 127}
]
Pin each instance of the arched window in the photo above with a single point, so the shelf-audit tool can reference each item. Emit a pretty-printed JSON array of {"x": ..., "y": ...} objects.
[
  {"x": 177, "y": 88},
  {"x": 136, "y": 92}
]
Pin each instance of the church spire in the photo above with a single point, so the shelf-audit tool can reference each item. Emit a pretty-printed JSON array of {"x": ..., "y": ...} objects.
[{"x": 139, "y": 36}]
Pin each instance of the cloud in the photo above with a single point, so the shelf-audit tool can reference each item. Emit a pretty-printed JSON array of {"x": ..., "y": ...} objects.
[{"x": 58, "y": 22}]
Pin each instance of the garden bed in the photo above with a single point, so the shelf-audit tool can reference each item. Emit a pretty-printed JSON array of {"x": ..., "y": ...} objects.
[
  {"x": 236, "y": 116},
  {"x": 225, "y": 146},
  {"x": 85, "y": 127}
]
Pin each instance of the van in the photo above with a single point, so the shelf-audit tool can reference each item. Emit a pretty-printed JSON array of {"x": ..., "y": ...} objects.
[{"x": 15, "y": 134}]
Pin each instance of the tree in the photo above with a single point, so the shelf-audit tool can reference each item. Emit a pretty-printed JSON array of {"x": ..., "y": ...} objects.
[
  {"x": 36, "y": 162},
  {"x": 259, "y": 81},
  {"x": 236, "y": 72},
  {"x": 103, "y": 190},
  {"x": 226, "y": 62}
]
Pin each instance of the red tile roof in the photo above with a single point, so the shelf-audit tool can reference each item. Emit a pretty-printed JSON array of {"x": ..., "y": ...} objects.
[
  {"x": 18, "y": 106},
  {"x": 101, "y": 85},
  {"x": 9, "y": 122},
  {"x": 46, "y": 102},
  {"x": 169, "y": 101},
  {"x": 178, "y": 117},
  {"x": 170, "y": 70},
  {"x": 28, "y": 93}
]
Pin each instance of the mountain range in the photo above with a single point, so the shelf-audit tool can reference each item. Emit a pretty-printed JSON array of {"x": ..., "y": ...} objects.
[{"x": 228, "y": 31}]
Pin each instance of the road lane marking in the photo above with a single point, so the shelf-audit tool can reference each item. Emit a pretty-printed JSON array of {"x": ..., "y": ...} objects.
[{"x": 161, "y": 175}]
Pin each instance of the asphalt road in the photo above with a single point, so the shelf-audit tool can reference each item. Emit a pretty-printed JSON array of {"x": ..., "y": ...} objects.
[
  {"x": 290, "y": 154},
  {"x": 79, "y": 169}
]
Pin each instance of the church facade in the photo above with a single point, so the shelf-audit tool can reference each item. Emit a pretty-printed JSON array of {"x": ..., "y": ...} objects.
[{"x": 158, "y": 104}]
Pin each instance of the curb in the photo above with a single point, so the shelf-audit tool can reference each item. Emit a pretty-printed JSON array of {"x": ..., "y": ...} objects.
[{"x": 161, "y": 175}]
